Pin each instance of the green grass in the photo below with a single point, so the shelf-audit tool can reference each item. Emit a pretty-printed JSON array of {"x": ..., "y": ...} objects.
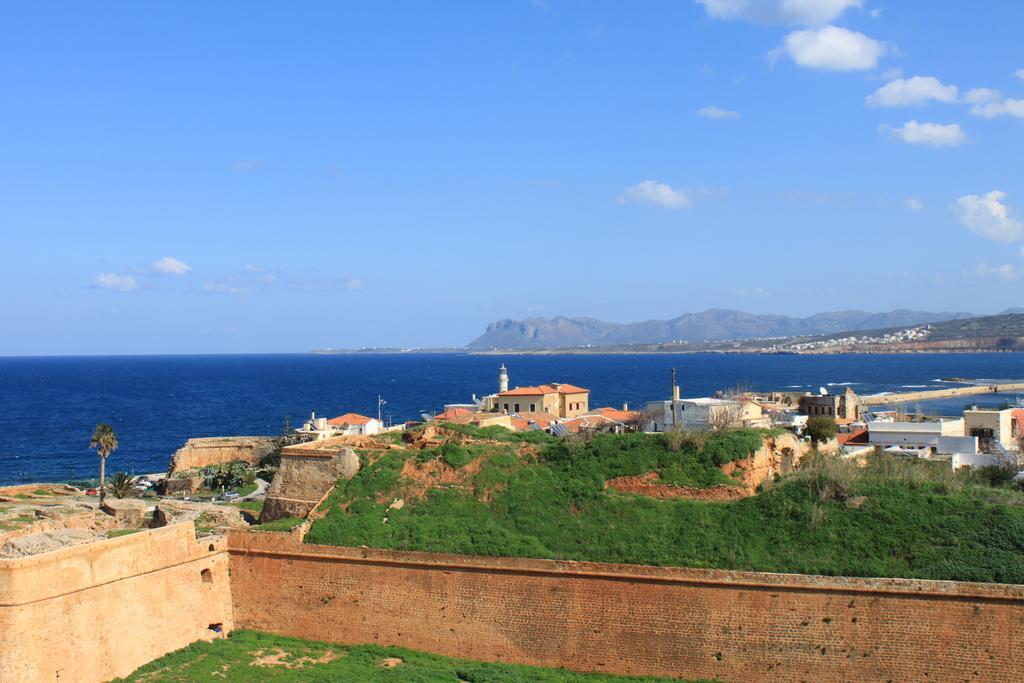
[
  {"x": 250, "y": 505},
  {"x": 24, "y": 518},
  {"x": 895, "y": 518},
  {"x": 245, "y": 489},
  {"x": 231, "y": 659},
  {"x": 115, "y": 533}
]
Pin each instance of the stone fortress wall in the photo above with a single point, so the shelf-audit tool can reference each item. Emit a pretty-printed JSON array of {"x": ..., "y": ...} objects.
[
  {"x": 93, "y": 612},
  {"x": 97, "y": 611},
  {"x": 622, "y": 619},
  {"x": 221, "y": 449}
]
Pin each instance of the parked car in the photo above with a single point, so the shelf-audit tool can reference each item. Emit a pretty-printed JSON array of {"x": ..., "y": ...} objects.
[
  {"x": 230, "y": 495},
  {"x": 91, "y": 492}
]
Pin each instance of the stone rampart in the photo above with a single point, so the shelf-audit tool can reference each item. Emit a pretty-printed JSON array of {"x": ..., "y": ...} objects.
[
  {"x": 221, "y": 449},
  {"x": 307, "y": 473},
  {"x": 730, "y": 626},
  {"x": 97, "y": 611}
]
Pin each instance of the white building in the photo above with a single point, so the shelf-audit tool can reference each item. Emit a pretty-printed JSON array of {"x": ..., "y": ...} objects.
[
  {"x": 691, "y": 413},
  {"x": 914, "y": 435},
  {"x": 349, "y": 424}
]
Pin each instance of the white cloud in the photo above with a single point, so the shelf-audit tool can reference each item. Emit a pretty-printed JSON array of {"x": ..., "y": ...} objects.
[
  {"x": 1006, "y": 272},
  {"x": 877, "y": 12},
  {"x": 988, "y": 216},
  {"x": 659, "y": 194},
  {"x": 120, "y": 283},
  {"x": 1022, "y": 251},
  {"x": 913, "y": 203},
  {"x": 982, "y": 95},
  {"x": 988, "y": 103},
  {"x": 933, "y": 134},
  {"x": 752, "y": 292},
  {"x": 223, "y": 288},
  {"x": 1019, "y": 73},
  {"x": 912, "y": 91},
  {"x": 715, "y": 112},
  {"x": 803, "y": 12},
  {"x": 169, "y": 265},
  {"x": 830, "y": 48}
]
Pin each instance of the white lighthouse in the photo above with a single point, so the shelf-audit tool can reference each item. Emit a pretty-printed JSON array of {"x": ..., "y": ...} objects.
[{"x": 502, "y": 379}]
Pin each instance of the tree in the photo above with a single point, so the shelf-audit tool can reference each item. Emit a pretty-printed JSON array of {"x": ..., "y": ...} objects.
[
  {"x": 821, "y": 428},
  {"x": 121, "y": 484},
  {"x": 726, "y": 416},
  {"x": 226, "y": 476},
  {"x": 105, "y": 442}
]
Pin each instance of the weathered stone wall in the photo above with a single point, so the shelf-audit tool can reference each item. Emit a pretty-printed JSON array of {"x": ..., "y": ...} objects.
[
  {"x": 221, "y": 449},
  {"x": 97, "y": 611},
  {"x": 732, "y": 626},
  {"x": 304, "y": 477},
  {"x": 778, "y": 455}
]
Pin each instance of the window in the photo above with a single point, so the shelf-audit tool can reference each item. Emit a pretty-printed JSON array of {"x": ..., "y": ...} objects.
[
  {"x": 533, "y": 407},
  {"x": 206, "y": 575},
  {"x": 517, "y": 407}
]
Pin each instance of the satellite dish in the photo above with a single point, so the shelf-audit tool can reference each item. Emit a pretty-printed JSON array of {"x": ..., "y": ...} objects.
[{"x": 823, "y": 391}]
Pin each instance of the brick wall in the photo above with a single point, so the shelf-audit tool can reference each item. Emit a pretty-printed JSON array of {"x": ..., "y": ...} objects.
[
  {"x": 101, "y": 610},
  {"x": 732, "y": 626}
]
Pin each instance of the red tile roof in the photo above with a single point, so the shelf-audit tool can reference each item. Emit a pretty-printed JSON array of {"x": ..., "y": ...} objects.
[
  {"x": 349, "y": 419},
  {"x": 575, "y": 424},
  {"x": 854, "y": 438},
  {"x": 570, "y": 389},
  {"x": 529, "y": 391},
  {"x": 554, "y": 388},
  {"x": 522, "y": 421},
  {"x": 615, "y": 414},
  {"x": 453, "y": 412}
]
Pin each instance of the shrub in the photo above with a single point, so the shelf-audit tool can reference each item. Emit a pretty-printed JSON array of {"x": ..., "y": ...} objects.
[
  {"x": 821, "y": 428},
  {"x": 454, "y": 455},
  {"x": 229, "y": 475},
  {"x": 994, "y": 475}
]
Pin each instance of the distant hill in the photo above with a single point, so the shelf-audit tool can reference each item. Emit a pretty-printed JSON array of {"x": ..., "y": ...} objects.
[{"x": 710, "y": 325}]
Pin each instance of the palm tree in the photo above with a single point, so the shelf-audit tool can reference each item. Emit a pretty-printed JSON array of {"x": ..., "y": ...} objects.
[
  {"x": 121, "y": 484},
  {"x": 105, "y": 442}
]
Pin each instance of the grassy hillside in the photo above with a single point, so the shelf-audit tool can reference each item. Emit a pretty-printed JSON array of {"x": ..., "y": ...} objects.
[
  {"x": 249, "y": 656},
  {"x": 547, "y": 499}
]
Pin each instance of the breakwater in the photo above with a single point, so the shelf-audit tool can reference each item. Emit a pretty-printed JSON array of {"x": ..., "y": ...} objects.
[{"x": 934, "y": 394}]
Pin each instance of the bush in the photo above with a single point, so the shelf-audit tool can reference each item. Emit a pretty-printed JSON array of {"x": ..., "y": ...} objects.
[
  {"x": 454, "y": 455},
  {"x": 994, "y": 475},
  {"x": 821, "y": 428},
  {"x": 229, "y": 475}
]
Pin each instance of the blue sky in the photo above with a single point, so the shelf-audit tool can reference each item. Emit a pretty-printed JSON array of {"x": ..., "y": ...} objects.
[{"x": 266, "y": 176}]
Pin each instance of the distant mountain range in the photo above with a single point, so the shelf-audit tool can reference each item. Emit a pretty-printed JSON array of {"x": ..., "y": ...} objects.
[{"x": 710, "y": 325}]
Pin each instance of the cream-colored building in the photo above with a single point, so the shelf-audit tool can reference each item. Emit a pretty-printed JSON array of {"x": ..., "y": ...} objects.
[
  {"x": 563, "y": 400},
  {"x": 991, "y": 426}
]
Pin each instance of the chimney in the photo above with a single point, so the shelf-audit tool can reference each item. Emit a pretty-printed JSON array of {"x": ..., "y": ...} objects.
[
  {"x": 675, "y": 392},
  {"x": 625, "y": 407}
]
